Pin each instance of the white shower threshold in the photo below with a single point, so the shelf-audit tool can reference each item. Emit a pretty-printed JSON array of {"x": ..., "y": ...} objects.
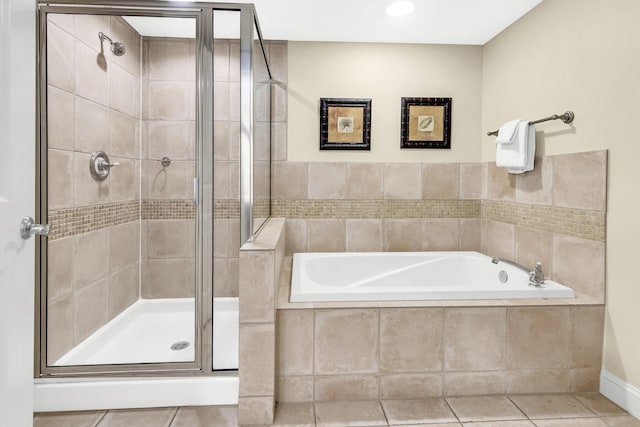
[{"x": 144, "y": 333}]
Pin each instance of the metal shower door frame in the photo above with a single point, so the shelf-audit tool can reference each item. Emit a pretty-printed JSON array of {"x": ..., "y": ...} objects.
[{"x": 203, "y": 13}]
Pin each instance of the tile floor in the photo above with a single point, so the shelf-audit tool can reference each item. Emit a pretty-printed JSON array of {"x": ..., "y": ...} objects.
[{"x": 545, "y": 410}]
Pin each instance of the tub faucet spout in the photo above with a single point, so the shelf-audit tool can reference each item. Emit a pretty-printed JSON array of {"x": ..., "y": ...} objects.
[{"x": 536, "y": 276}]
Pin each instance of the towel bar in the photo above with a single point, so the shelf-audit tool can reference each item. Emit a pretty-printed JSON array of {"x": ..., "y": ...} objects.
[{"x": 567, "y": 117}]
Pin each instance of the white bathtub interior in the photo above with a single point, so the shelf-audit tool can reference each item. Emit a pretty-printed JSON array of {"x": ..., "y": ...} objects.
[{"x": 387, "y": 276}]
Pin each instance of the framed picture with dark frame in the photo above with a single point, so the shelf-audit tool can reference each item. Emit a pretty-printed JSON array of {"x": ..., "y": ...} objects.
[
  {"x": 425, "y": 123},
  {"x": 345, "y": 124}
]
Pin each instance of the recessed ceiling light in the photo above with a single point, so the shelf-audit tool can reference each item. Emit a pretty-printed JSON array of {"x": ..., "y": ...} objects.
[{"x": 400, "y": 8}]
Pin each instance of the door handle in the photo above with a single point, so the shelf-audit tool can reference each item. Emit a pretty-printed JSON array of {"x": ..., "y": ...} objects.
[{"x": 28, "y": 228}]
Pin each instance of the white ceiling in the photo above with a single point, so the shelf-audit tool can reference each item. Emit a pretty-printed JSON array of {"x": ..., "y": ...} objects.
[{"x": 433, "y": 21}]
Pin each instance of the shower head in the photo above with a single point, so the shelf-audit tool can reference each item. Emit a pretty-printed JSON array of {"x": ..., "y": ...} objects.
[{"x": 117, "y": 48}]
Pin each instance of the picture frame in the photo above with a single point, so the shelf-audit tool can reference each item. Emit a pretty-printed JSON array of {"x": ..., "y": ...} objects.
[
  {"x": 345, "y": 124},
  {"x": 425, "y": 123}
]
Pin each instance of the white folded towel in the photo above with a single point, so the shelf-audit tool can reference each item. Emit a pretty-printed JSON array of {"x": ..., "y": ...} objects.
[
  {"x": 531, "y": 151},
  {"x": 516, "y": 146}
]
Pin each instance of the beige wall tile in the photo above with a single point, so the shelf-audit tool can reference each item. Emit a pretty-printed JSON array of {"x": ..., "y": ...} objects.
[
  {"x": 257, "y": 360},
  {"x": 474, "y": 339},
  {"x": 580, "y": 180},
  {"x": 471, "y": 180},
  {"x": 411, "y": 386},
  {"x": 295, "y": 389},
  {"x": 168, "y": 238},
  {"x": 295, "y": 236},
  {"x": 538, "y": 338},
  {"x": 256, "y": 410},
  {"x": 279, "y": 102},
  {"x": 402, "y": 181},
  {"x": 411, "y": 339},
  {"x": 171, "y": 139},
  {"x": 261, "y": 141},
  {"x": 234, "y": 104},
  {"x": 90, "y": 257},
  {"x": 440, "y": 234},
  {"x": 125, "y": 182},
  {"x": 221, "y": 183},
  {"x": 86, "y": 190},
  {"x": 346, "y": 387},
  {"x": 346, "y": 341},
  {"x": 326, "y": 180},
  {"x": 440, "y": 180},
  {"x": 60, "y": 59},
  {"x": 226, "y": 240},
  {"x": 173, "y": 182},
  {"x": 234, "y": 60},
  {"x": 586, "y": 337},
  {"x": 170, "y": 100},
  {"x": 221, "y": 60},
  {"x": 60, "y": 321},
  {"x": 538, "y": 381},
  {"x": 535, "y": 187},
  {"x": 124, "y": 288},
  {"x": 124, "y": 245},
  {"x": 278, "y": 61},
  {"x": 474, "y": 383},
  {"x": 92, "y": 80},
  {"x": 169, "y": 60},
  {"x": 532, "y": 246},
  {"x": 262, "y": 101},
  {"x": 289, "y": 180},
  {"x": 501, "y": 185},
  {"x": 402, "y": 235},
  {"x": 364, "y": 235},
  {"x": 124, "y": 91},
  {"x": 62, "y": 20},
  {"x": 221, "y": 140},
  {"x": 92, "y": 127},
  {"x": 87, "y": 28},
  {"x": 295, "y": 414},
  {"x": 364, "y": 181},
  {"x": 500, "y": 240},
  {"x": 257, "y": 286},
  {"x": 579, "y": 264},
  {"x": 326, "y": 235},
  {"x": 584, "y": 380},
  {"x": 470, "y": 235},
  {"x": 124, "y": 135},
  {"x": 60, "y": 179},
  {"x": 60, "y": 118},
  {"x": 168, "y": 278},
  {"x": 295, "y": 342},
  {"x": 122, "y": 32},
  {"x": 278, "y": 141},
  {"x": 59, "y": 268},
  {"x": 226, "y": 277},
  {"x": 90, "y": 308}
]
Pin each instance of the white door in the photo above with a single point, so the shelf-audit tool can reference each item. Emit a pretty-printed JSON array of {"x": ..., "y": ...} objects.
[{"x": 17, "y": 199}]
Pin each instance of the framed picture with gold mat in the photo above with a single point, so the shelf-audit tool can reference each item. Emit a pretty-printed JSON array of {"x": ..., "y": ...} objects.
[
  {"x": 345, "y": 124},
  {"x": 425, "y": 123}
]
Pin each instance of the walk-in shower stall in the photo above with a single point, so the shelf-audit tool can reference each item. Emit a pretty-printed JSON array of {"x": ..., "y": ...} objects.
[{"x": 154, "y": 168}]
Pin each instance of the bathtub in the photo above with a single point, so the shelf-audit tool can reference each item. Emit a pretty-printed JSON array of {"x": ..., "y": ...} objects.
[
  {"x": 385, "y": 276},
  {"x": 143, "y": 333}
]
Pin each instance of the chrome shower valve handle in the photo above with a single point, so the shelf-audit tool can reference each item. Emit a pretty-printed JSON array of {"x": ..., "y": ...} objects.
[{"x": 100, "y": 166}]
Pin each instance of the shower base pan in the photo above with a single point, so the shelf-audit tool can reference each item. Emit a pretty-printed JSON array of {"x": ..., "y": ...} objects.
[{"x": 145, "y": 333}]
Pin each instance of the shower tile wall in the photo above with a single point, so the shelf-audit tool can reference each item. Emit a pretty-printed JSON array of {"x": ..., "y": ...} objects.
[
  {"x": 168, "y": 130},
  {"x": 93, "y": 104}
]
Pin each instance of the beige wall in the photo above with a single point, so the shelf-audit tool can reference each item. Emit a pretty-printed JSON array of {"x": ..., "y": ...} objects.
[
  {"x": 385, "y": 73},
  {"x": 582, "y": 55}
]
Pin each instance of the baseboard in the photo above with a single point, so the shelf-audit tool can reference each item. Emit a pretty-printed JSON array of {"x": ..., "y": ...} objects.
[{"x": 621, "y": 393}]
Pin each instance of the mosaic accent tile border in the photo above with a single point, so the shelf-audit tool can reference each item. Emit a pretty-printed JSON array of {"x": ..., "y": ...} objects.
[
  {"x": 226, "y": 209},
  {"x": 168, "y": 209},
  {"x": 585, "y": 224},
  {"x": 376, "y": 208},
  {"x": 72, "y": 221}
]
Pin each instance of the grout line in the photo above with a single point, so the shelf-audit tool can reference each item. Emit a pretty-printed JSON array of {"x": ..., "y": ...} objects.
[
  {"x": 384, "y": 413},
  {"x": 446, "y": 402},
  {"x": 101, "y": 418},
  {"x": 175, "y": 414}
]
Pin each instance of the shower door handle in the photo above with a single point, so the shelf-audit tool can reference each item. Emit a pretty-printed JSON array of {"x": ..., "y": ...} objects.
[{"x": 28, "y": 228}]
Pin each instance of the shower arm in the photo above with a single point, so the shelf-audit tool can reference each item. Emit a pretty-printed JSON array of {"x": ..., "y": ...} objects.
[{"x": 102, "y": 36}]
